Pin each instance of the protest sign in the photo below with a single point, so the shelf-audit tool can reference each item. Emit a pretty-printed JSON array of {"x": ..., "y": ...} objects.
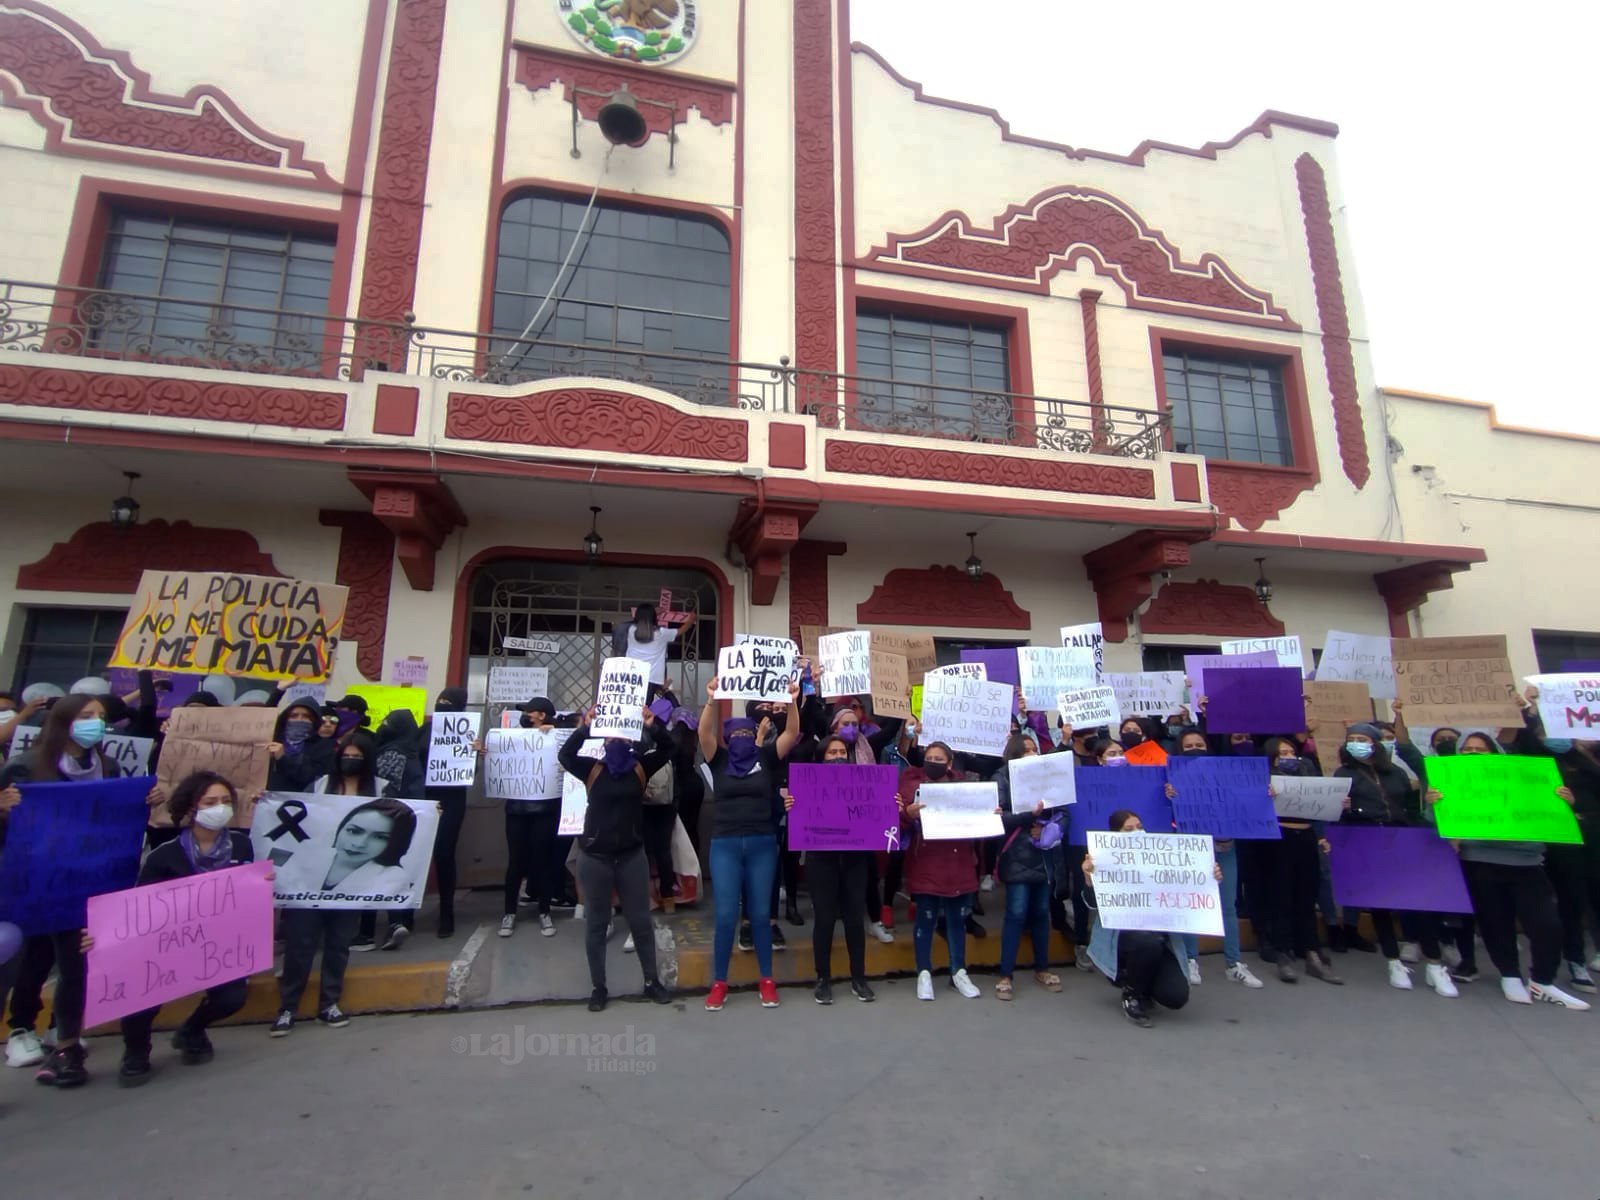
[
  {"x": 1358, "y": 658},
  {"x": 1162, "y": 882},
  {"x": 620, "y": 698},
  {"x": 66, "y": 842},
  {"x": 1307, "y": 798},
  {"x": 1256, "y": 700},
  {"x": 1287, "y": 650},
  {"x": 1195, "y": 667},
  {"x": 1088, "y": 637},
  {"x": 168, "y": 940},
  {"x": 452, "y": 762},
  {"x": 1396, "y": 867},
  {"x": 1501, "y": 798},
  {"x": 409, "y": 672},
  {"x": 811, "y": 637},
  {"x": 1580, "y": 666},
  {"x": 968, "y": 715},
  {"x": 843, "y": 806},
  {"x": 382, "y": 700},
  {"x": 1147, "y": 693},
  {"x": 130, "y": 755},
  {"x": 1336, "y": 706},
  {"x": 523, "y": 764},
  {"x": 891, "y": 690},
  {"x": 961, "y": 670},
  {"x": 1456, "y": 680},
  {"x": 1089, "y": 708},
  {"x": 531, "y": 645},
  {"x": 315, "y": 694},
  {"x": 574, "y": 802},
  {"x": 1044, "y": 671},
  {"x": 951, "y": 811},
  {"x": 171, "y": 689},
  {"x": 335, "y": 851},
  {"x": 230, "y": 741},
  {"x": 845, "y": 665},
  {"x": 999, "y": 663},
  {"x": 916, "y": 648},
  {"x": 756, "y": 670},
  {"x": 1046, "y": 778},
  {"x": 1569, "y": 704},
  {"x": 253, "y": 626},
  {"x": 1101, "y": 791},
  {"x": 916, "y": 701},
  {"x": 517, "y": 685},
  {"x": 1226, "y": 797}
]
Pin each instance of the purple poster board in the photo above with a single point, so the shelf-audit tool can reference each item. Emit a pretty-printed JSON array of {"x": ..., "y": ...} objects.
[
  {"x": 843, "y": 806},
  {"x": 1103, "y": 790},
  {"x": 1395, "y": 867},
  {"x": 1000, "y": 665},
  {"x": 1225, "y": 797},
  {"x": 1256, "y": 700},
  {"x": 1195, "y": 667},
  {"x": 171, "y": 690},
  {"x": 1573, "y": 666}
]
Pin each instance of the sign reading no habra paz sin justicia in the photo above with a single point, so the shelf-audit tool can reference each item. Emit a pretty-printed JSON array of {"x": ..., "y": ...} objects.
[{"x": 215, "y": 623}]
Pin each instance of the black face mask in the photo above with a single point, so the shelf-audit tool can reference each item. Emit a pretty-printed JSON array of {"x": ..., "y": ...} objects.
[
  {"x": 1194, "y": 753},
  {"x": 935, "y": 770},
  {"x": 1131, "y": 739},
  {"x": 1446, "y": 747},
  {"x": 352, "y": 766}
]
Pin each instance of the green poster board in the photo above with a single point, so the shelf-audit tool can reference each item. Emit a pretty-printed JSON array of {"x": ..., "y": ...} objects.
[{"x": 1500, "y": 798}]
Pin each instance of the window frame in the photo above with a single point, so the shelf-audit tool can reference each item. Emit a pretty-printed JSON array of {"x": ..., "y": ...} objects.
[{"x": 26, "y": 642}]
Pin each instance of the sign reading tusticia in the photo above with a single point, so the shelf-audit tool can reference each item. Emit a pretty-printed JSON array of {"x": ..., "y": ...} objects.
[
  {"x": 636, "y": 31},
  {"x": 253, "y": 626}
]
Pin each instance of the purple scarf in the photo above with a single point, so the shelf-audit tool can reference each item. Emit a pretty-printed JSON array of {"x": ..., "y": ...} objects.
[{"x": 219, "y": 856}]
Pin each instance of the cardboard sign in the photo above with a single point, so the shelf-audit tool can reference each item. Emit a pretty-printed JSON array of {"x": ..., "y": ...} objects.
[
  {"x": 517, "y": 685},
  {"x": 811, "y": 637},
  {"x": 1301, "y": 798},
  {"x": 1195, "y": 667},
  {"x": 252, "y": 626},
  {"x": 1390, "y": 866},
  {"x": 1046, "y": 778},
  {"x": 757, "y": 669},
  {"x": 1456, "y": 680},
  {"x": 1045, "y": 671},
  {"x": 335, "y": 851},
  {"x": 953, "y": 811},
  {"x": 1331, "y": 708},
  {"x": 1147, "y": 693},
  {"x": 1287, "y": 650},
  {"x": 620, "y": 699},
  {"x": 916, "y": 648},
  {"x": 452, "y": 762},
  {"x": 1226, "y": 797},
  {"x": 1569, "y": 704},
  {"x": 315, "y": 694},
  {"x": 230, "y": 741},
  {"x": 1104, "y": 790},
  {"x": 382, "y": 700},
  {"x": 1501, "y": 798},
  {"x": 999, "y": 663},
  {"x": 1089, "y": 708},
  {"x": 845, "y": 664},
  {"x": 1358, "y": 658},
  {"x": 172, "y": 939},
  {"x": 891, "y": 690},
  {"x": 842, "y": 806},
  {"x": 1256, "y": 700},
  {"x": 968, "y": 715},
  {"x": 523, "y": 764},
  {"x": 1088, "y": 637},
  {"x": 1162, "y": 882},
  {"x": 531, "y": 646}
]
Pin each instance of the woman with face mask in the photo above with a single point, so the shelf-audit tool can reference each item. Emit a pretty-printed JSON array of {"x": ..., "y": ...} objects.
[
  {"x": 533, "y": 847},
  {"x": 941, "y": 876},
  {"x": 300, "y": 754},
  {"x": 1290, "y": 873},
  {"x": 1141, "y": 742},
  {"x": 1022, "y": 869},
  {"x": 1509, "y": 887}
]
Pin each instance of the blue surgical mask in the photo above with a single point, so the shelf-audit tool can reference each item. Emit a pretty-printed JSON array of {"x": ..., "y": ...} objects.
[
  {"x": 1558, "y": 745},
  {"x": 88, "y": 731},
  {"x": 1361, "y": 750},
  {"x": 1389, "y": 744}
]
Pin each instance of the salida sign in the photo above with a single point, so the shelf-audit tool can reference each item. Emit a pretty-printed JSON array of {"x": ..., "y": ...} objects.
[{"x": 246, "y": 625}]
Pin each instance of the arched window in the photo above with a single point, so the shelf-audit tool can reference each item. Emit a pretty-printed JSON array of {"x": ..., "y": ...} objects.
[{"x": 645, "y": 296}]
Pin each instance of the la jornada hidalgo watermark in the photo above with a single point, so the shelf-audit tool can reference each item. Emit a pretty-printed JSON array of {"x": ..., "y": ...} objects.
[{"x": 625, "y": 1053}]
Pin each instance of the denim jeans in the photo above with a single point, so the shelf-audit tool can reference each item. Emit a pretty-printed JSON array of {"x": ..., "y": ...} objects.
[
  {"x": 930, "y": 910},
  {"x": 1228, "y": 860},
  {"x": 1027, "y": 907},
  {"x": 743, "y": 867}
]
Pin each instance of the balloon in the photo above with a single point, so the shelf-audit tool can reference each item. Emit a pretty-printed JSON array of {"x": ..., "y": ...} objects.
[
  {"x": 91, "y": 685},
  {"x": 220, "y": 686},
  {"x": 257, "y": 696},
  {"x": 41, "y": 691}
]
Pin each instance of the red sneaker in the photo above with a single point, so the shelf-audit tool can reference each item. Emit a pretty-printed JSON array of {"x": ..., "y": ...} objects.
[
  {"x": 769, "y": 994},
  {"x": 716, "y": 997},
  {"x": 886, "y": 917}
]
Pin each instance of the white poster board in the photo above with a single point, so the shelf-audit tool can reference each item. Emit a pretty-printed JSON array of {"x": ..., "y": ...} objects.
[
  {"x": 1161, "y": 882},
  {"x": 1043, "y": 671},
  {"x": 1089, "y": 708},
  {"x": 620, "y": 699},
  {"x": 523, "y": 764},
  {"x": 1050, "y": 778},
  {"x": 845, "y": 663},
  {"x": 1147, "y": 693},
  {"x": 1309, "y": 799},
  {"x": 452, "y": 762},
  {"x": 1288, "y": 649},
  {"x": 756, "y": 669},
  {"x": 333, "y": 851},
  {"x": 1358, "y": 658},
  {"x": 1087, "y": 637},
  {"x": 969, "y": 715},
  {"x": 518, "y": 685},
  {"x": 1569, "y": 705},
  {"x": 951, "y": 811}
]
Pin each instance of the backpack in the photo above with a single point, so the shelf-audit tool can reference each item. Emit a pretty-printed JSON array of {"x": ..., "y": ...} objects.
[{"x": 658, "y": 792}]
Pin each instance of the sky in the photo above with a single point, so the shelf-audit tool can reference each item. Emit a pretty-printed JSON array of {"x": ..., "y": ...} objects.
[{"x": 1463, "y": 150}]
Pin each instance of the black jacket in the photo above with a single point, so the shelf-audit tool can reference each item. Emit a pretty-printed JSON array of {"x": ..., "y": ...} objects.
[
  {"x": 297, "y": 772},
  {"x": 614, "y": 822},
  {"x": 168, "y": 861},
  {"x": 1380, "y": 793}
]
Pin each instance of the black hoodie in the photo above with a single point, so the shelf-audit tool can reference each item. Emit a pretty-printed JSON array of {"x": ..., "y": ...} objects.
[
  {"x": 318, "y": 756},
  {"x": 399, "y": 756}
]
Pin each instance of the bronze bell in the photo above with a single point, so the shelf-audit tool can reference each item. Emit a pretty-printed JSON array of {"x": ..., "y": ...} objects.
[{"x": 621, "y": 123}]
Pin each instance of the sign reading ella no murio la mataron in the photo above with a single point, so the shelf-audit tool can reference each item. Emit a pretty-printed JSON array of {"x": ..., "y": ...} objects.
[{"x": 253, "y": 626}]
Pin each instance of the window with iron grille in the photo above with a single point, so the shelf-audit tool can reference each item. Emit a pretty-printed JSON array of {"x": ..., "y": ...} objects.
[
  {"x": 63, "y": 645},
  {"x": 947, "y": 378},
  {"x": 1227, "y": 408},
  {"x": 212, "y": 292}
]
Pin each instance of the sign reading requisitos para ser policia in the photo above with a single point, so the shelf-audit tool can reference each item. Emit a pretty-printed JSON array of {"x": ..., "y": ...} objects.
[{"x": 654, "y": 32}]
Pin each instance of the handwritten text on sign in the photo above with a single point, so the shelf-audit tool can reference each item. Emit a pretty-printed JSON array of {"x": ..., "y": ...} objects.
[
  {"x": 842, "y": 806},
  {"x": 1090, "y": 637},
  {"x": 1501, "y": 798},
  {"x": 959, "y": 810},
  {"x": 1156, "y": 881},
  {"x": 756, "y": 669},
  {"x": 1046, "y": 779},
  {"x": 1455, "y": 681},
  {"x": 965, "y": 714},
  {"x": 1088, "y": 708},
  {"x": 1223, "y": 797},
  {"x": 523, "y": 764},
  {"x": 1045, "y": 670},
  {"x": 620, "y": 698},
  {"x": 1287, "y": 649},
  {"x": 249, "y": 625},
  {"x": 452, "y": 762},
  {"x": 230, "y": 741},
  {"x": 1569, "y": 704},
  {"x": 517, "y": 685},
  {"x": 168, "y": 940},
  {"x": 1147, "y": 693},
  {"x": 1358, "y": 658},
  {"x": 130, "y": 755},
  {"x": 1298, "y": 798},
  {"x": 846, "y": 663}
]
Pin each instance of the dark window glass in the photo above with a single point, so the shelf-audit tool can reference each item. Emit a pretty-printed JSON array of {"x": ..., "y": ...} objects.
[
  {"x": 1170, "y": 658},
  {"x": 941, "y": 378},
  {"x": 1227, "y": 408},
  {"x": 63, "y": 645},
  {"x": 1553, "y": 648}
]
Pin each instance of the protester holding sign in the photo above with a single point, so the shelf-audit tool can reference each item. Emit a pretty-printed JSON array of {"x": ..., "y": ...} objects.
[
  {"x": 1290, "y": 873},
  {"x": 525, "y": 771},
  {"x": 942, "y": 877},
  {"x": 1575, "y": 870},
  {"x": 452, "y": 802},
  {"x": 1023, "y": 871},
  {"x": 300, "y": 755}
]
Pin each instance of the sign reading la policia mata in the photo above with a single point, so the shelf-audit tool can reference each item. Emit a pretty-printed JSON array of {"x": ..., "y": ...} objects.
[{"x": 252, "y": 626}]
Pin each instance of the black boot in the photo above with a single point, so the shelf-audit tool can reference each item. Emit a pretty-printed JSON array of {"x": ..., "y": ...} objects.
[
  {"x": 1355, "y": 941},
  {"x": 1336, "y": 940},
  {"x": 1133, "y": 1009},
  {"x": 793, "y": 914}
]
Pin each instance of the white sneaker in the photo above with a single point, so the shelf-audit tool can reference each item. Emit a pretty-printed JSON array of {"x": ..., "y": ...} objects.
[
  {"x": 627, "y": 946},
  {"x": 1439, "y": 980},
  {"x": 508, "y": 925},
  {"x": 23, "y": 1049},
  {"x": 924, "y": 985},
  {"x": 577, "y": 912},
  {"x": 876, "y": 929},
  {"x": 987, "y": 884},
  {"x": 1410, "y": 953},
  {"x": 1240, "y": 973},
  {"x": 1399, "y": 975},
  {"x": 1551, "y": 994},
  {"x": 546, "y": 926},
  {"x": 1514, "y": 990},
  {"x": 1450, "y": 955},
  {"x": 962, "y": 984},
  {"x": 1594, "y": 963},
  {"x": 1194, "y": 972}
]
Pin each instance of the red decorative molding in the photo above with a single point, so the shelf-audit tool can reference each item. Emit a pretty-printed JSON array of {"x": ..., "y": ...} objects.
[
  {"x": 1186, "y": 483},
  {"x": 1029, "y": 244},
  {"x": 765, "y": 533},
  {"x": 394, "y": 411},
  {"x": 538, "y": 70},
  {"x": 419, "y": 510},
  {"x": 786, "y": 446},
  {"x": 808, "y": 584},
  {"x": 102, "y": 558},
  {"x": 1333, "y": 318},
  {"x": 158, "y": 396},
  {"x": 1123, "y": 572},
  {"x": 942, "y": 596},
  {"x": 366, "y": 565},
  {"x": 595, "y": 420},
  {"x": 1253, "y": 496},
  {"x": 90, "y": 99},
  {"x": 1407, "y": 588},
  {"x": 816, "y": 306},
  {"x": 959, "y": 467},
  {"x": 1209, "y": 607},
  {"x": 405, "y": 137},
  {"x": 1089, "y": 302}
]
